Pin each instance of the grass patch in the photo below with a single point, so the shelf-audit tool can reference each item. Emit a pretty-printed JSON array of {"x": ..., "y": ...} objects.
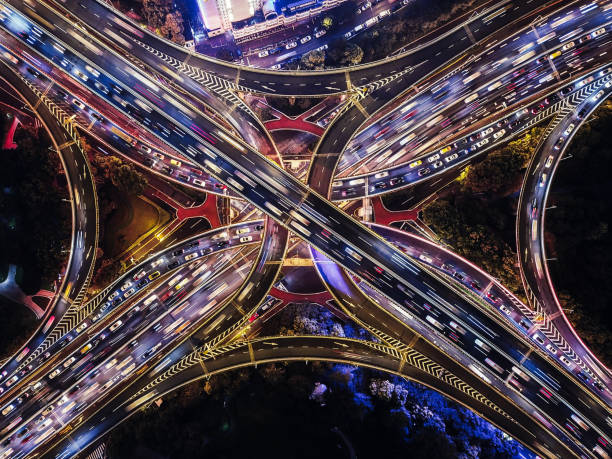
[{"x": 134, "y": 217}]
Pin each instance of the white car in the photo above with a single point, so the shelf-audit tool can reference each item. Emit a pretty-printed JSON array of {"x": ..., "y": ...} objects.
[
  {"x": 145, "y": 148},
  {"x": 125, "y": 286},
  {"x": 322, "y": 48},
  {"x": 452, "y": 157},
  {"x": 243, "y": 230},
  {"x": 486, "y": 132},
  {"x": 426, "y": 258},
  {"x": 433, "y": 158},
  {"x": 81, "y": 327},
  {"x": 246, "y": 239},
  {"x": 320, "y": 33},
  {"x": 437, "y": 164},
  {"x": 69, "y": 362},
  {"x": 381, "y": 175},
  {"x": 549, "y": 161},
  {"x": 263, "y": 53},
  {"x": 567, "y": 46},
  {"x": 498, "y": 134},
  {"x": 191, "y": 256},
  {"x": 597, "y": 33},
  {"x": 505, "y": 310},
  {"x": 305, "y": 39},
  {"x": 54, "y": 373},
  {"x": 79, "y": 104},
  {"x": 598, "y": 95},
  {"x": 551, "y": 349},
  {"x": 482, "y": 142},
  {"x": 290, "y": 45},
  {"x": 276, "y": 67},
  {"x": 81, "y": 75},
  {"x": 116, "y": 325},
  {"x": 569, "y": 129}
]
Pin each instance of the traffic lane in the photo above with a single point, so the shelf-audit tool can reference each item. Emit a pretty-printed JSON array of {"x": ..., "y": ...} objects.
[
  {"x": 537, "y": 183},
  {"x": 101, "y": 16},
  {"x": 301, "y": 348},
  {"x": 146, "y": 273},
  {"x": 593, "y": 20},
  {"x": 381, "y": 248},
  {"x": 99, "y": 375},
  {"x": 84, "y": 213},
  {"x": 360, "y": 303}
]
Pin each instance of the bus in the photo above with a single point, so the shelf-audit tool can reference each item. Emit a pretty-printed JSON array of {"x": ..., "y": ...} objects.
[{"x": 122, "y": 135}]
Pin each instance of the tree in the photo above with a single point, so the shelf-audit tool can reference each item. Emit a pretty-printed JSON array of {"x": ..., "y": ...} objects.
[
  {"x": 352, "y": 55},
  {"x": 122, "y": 175},
  {"x": 313, "y": 60}
]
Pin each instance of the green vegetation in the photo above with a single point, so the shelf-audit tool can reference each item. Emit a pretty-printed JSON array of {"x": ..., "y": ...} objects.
[
  {"x": 476, "y": 216},
  {"x": 34, "y": 222},
  {"x": 409, "y": 23},
  {"x": 578, "y": 233},
  {"x": 128, "y": 222},
  {"x": 118, "y": 185},
  {"x": 308, "y": 410}
]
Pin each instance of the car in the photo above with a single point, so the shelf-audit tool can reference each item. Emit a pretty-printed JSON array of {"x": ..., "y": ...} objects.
[
  {"x": 381, "y": 175},
  {"x": 457, "y": 275},
  {"x": 445, "y": 150},
  {"x": 558, "y": 144},
  {"x": 191, "y": 256},
  {"x": 276, "y": 67},
  {"x": 100, "y": 87},
  {"x": 598, "y": 95},
  {"x": 54, "y": 373},
  {"x": 396, "y": 181},
  {"x": 549, "y": 161},
  {"x": 569, "y": 129},
  {"x": 498, "y": 134},
  {"x": 543, "y": 180},
  {"x": 246, "y": 239},
  {"x": 433, "y": 158},
  {"x": 125, "y": 286},
  {"x": 475, "y": 285},
  {"x": 263, "y": 53},
  {"x": 81, "y": 327},
  {"x": 115, "y": 326},
  {"x": 172, "y": 265},
  {"x": 415, "y": 163},
  {"x": 424, "y": 171},
  {"x": 452, "y": 157},
  {"x": 253, "y": 317},
  {"x": 320, "y": 33},
  {"x": 586, "y": 81},
  {"x": 597, "y": 33},
  {"x": 348, "y": 35},
  {"x": 176, "y": 163},
  {"x": 505, "y": 309},
  {"x": 551, "y": 349},
  {"x": 129, "y": 293},
  {"x": 482, "y": 142},
  {"x": 582, "y": 113},
  {"x": 81, "y": 75},
  {"x": 305, "y": 39},
  {"x": 567, "y": 46},
  {"x": 145, "y": 148},
  {"x": 425, "y": 258},
  {"x": 178, "y": 252},
  {"x": 259, "y": 227},
  {"x": 323, "y": 47},
  {"x": 69, "y": 362},
  {"x": 437, "y": 164},
  {"x": 486, "y": 132},
  {"x": 291, "y": 45},
  {"x": 79, "y": 104}
]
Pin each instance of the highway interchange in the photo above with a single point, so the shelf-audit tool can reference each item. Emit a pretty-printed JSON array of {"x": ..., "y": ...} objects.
[{"x": 562, "y": 386}]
